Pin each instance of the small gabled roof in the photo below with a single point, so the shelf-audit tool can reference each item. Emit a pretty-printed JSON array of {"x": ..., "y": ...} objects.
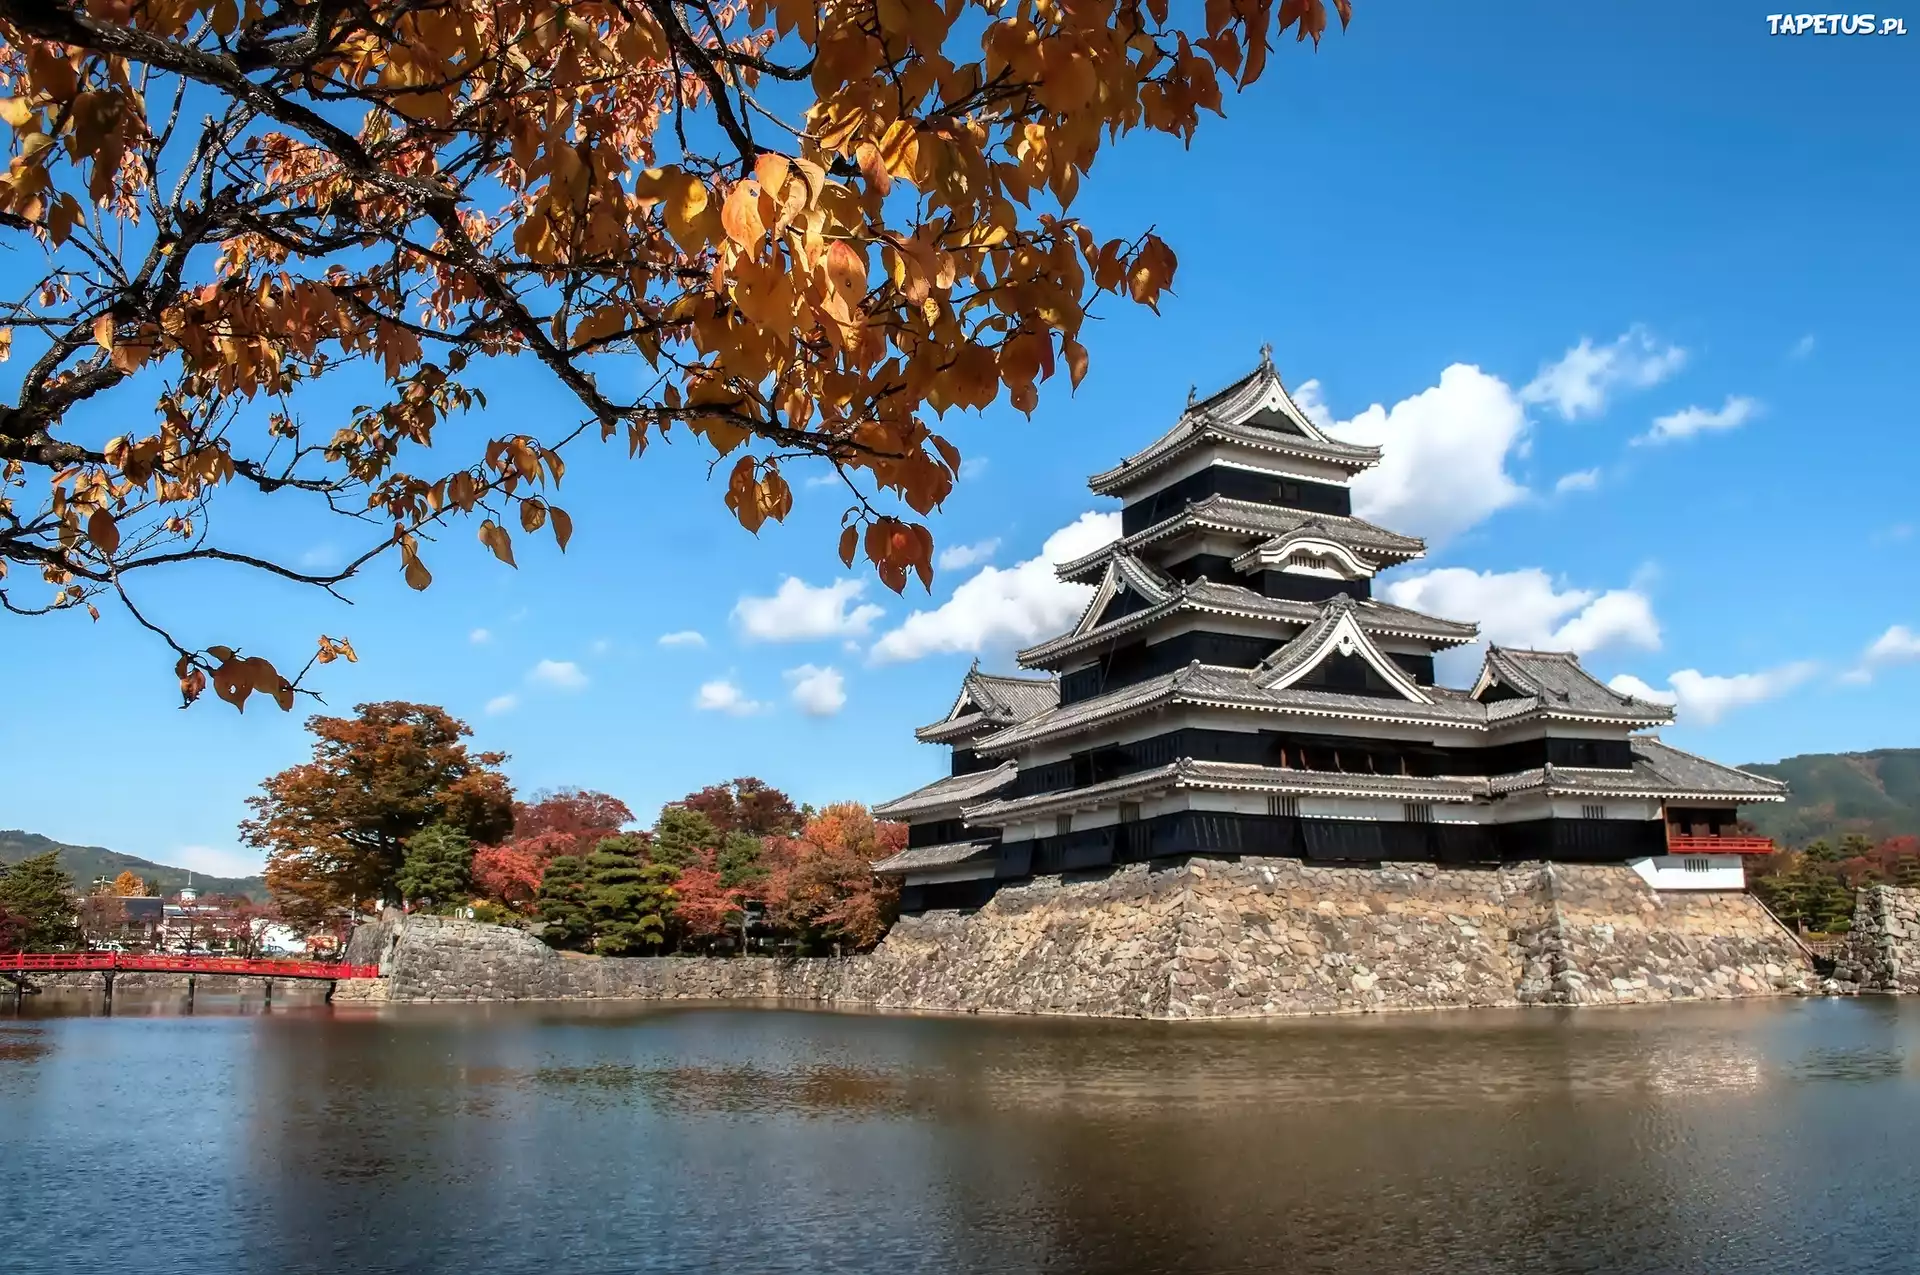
[
  {"x": 1554, "y": 682},
  {"x": 1336, "y": 632},
  {"x": 1256, "y": 412},
  {"x": 946, "y": 795},
  {"x": 1124, "y": 571},
  {"x": 1255, "y": 521},
  {"x": 949, "y": 854},
  {"x": 1380, "y": 619},
  {"x": 988, "y": 701},
  {"x": 1659, "y": 771}
]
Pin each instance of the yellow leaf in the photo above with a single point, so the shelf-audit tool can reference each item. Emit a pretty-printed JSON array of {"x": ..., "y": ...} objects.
[
  {"x": 418, "y": 577},
  {"x": 562, "y": 527},
  {"x": 533, "y": 515},
  {"x": 1076, "y": 357},
  {"x": 740, "y": 215},
  {"x": 103, "y": 331},
  {"x": 222, "y": 653},
  {"x": 103, "y": 531},
  {"x": 495, "y": 537},
  {"x": 15, "y": 111}
]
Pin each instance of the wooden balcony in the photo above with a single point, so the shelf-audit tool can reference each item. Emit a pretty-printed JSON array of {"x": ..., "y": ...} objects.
[{"x": 1681, "y": 844}]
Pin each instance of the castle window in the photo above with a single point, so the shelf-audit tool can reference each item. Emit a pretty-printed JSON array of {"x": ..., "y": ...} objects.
[
  {"x": 1593, "y": 812},
  {"x": 1062, "y": 825},
  {"x": 1129, "y": 812},
  {"x": 1283, "y": 806},
  {"x": 1418, "y": 811},
  {"x": 1695, "y": 864}
]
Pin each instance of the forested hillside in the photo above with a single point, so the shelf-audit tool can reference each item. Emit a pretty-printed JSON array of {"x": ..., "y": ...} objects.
[
  {"x": 89, "y": 862},
  {"x": 1875, "y": 794}
]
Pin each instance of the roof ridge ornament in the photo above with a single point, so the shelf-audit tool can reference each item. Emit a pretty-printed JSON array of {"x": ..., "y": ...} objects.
[
  {"x": 1266, "y": 355},
  {"x": 1193, "y": 393}
]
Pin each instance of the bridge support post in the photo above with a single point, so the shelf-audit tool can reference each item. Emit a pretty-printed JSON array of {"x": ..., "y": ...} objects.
[
  {"x": 269, "y": 993},
  {"x": 330, "y": 986},
  {"x": 189, "y": 993},
  {"x": 108, "y": 976}
]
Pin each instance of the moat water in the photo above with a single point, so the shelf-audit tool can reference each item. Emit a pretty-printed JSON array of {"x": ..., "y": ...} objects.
[{"x": 570, "y": 1139}]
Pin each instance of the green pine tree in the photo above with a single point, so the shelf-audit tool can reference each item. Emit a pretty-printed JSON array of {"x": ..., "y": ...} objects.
[
  {"x": 37, "y": 896},
  {"x": 562, "y": 903},
  {"x": 630, "y": 898},
  {"x": 438, "y": 866},
  {"x": 739, "y": 860},
  {"x": 683, "y": 838},
  {"x": 1819, "y": 852}
]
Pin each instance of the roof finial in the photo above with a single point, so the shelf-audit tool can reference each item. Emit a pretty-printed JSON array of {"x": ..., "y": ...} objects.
[
  {"x": 976, "y": 665},
  {"x": 1266, "y": 354},
  {"x": 1193, "y": 392}
]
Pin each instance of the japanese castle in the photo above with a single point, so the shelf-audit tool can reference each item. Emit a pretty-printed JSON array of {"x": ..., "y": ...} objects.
[{"x": 1234, "y": 688}]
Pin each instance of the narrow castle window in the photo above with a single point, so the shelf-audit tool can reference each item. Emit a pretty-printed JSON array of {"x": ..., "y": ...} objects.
[
  {"x": 1062, "y": 825},
  {"x": 1593, "y": 812},
  {"x": 1283, "y": 805},
  {"x": 1419, "y": 811}
]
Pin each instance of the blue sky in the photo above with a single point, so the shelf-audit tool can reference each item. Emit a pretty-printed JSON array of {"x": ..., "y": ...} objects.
[{"x": 1526, "y": 238}]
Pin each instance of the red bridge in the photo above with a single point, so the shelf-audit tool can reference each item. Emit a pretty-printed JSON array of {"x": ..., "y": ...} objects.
[{"x": 13, "y": 964}]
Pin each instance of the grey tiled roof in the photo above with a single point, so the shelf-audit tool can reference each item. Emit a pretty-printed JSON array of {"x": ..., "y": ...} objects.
[
  {"x": 1216, "y": 685},
  {"x": 948, "y": 855},
  {"x": 947, "y": 793},
  {"x": 1659, "y": 770},
  {"x": 1555, "y": 682},
  {"x": 1211, "y": 595},
  {"x": 1213, "y": 684},
  {"x": 1233, "y": 776},
  {"x": 1244, "y": 413},
  {"x": 992, "y": 699},
  {"x": 1252, "y": 519}
]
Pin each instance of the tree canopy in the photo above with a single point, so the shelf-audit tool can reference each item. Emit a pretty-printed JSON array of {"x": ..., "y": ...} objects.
[
  {"x": 814, "y": 226},
  {"x": 569, "y": 821},
  {"x": 38, "y": 903},
  {"x": 437, "y": 866},
  {"x": 336, "y": 828}
]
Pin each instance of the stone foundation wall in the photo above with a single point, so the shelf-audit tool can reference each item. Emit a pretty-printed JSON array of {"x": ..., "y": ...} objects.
[
  {"x": 1883, "y": 947},
  {"x": 1201, "y": 939},
  {"x": 128, "y": 981}
]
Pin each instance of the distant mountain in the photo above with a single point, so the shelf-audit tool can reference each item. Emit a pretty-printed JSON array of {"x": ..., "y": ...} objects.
[
  {"x": 89, "y": 862},
  {"x": 1876, "y": 794}
]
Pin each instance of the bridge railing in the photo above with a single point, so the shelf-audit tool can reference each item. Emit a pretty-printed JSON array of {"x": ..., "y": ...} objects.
[{"x": 139, "y": 963}]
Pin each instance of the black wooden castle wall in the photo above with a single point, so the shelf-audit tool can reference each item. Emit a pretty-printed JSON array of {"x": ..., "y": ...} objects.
[
  {"x": 1330, "y": 841},
  {"x": 1236, "y": 484}
]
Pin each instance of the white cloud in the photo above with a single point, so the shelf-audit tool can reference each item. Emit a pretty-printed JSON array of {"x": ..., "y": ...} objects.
[
  {"x": 827, "y": 478},
  {"x": 1579, "y": 480},
  {"x": 818, "y": 692},
  {"x": 683, "y": 637},
  {"x": 600, "y": 646},
  {"x": 561, "y": 675},
  {"x": 974, "y": 467},
  {"x": 1523, "y": 608},
  {"x": 1309, "y": 399},
  {"x": 502, "y": 704},
  {"x": 1801, "y": 348},
  {"x": 1446, "y": 448},
  {"x": 1700, "y": 698},
  {"x": 480, "y": 637},
  {"x": 1005, "y": 606},
  {"x": 1689, "y": 421},
  {"x": 1579, "y": 382},
  {"x": 217, "y": 861},
  {"x": 1898, "y": 645},
  {"x": 1628, "y": 684},
  {"x": 960, "y": 557},
  {"x": 799, "y": 612},
  {"x": 722, "y": 695},
  {"x": 321, "y": 557}
]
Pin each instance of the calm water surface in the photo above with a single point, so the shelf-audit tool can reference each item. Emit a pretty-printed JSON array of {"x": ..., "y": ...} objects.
[{"x": 562, "y": 1139}]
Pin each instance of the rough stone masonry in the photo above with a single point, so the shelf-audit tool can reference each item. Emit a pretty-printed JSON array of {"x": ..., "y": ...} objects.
[
  {"x": 1883, "y": 946},
  {"x": 1215, "y": 938}
]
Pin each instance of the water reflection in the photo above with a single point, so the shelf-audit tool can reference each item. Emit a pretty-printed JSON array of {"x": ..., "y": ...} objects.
[{"x": 1755, "y": 1137}]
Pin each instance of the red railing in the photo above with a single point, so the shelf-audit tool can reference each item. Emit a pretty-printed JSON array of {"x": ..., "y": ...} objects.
[
  {"x": 140, "y": 963},
  {"x": 1678, "y": 844}
]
